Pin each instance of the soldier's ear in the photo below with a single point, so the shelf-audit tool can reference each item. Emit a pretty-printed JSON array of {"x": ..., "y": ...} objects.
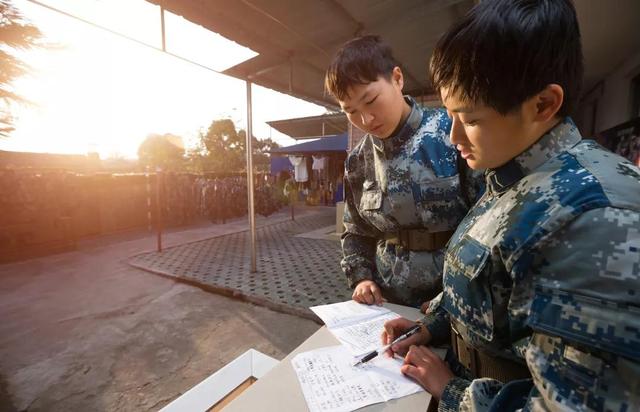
[
  {"x": 548, "y": 102},
  {"x": 397, "y": 78}
]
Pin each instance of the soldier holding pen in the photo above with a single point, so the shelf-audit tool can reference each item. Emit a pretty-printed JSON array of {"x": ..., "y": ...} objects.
[{"x": 542, "y": 277}]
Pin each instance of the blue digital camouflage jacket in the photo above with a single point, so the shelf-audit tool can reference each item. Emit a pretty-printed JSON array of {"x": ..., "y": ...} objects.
[
  {"x": 407, "y": 181},
  {"x": 546, "y": 269}
]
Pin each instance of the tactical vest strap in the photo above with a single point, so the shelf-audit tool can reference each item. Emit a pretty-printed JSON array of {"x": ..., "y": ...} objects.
[
  {"x": 485, "y": 366},
  {"x": 419, "y": 239}
]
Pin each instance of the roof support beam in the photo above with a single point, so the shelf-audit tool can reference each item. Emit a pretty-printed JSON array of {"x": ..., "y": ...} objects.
[
  {"x": 286, "y": 27},
  {"x": 359, "y": 27}
]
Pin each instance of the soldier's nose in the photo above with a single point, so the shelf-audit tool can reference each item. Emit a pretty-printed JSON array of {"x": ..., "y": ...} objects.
[
  {"x": 366, "y": 119},
  {"x": 457, "y": 134}
]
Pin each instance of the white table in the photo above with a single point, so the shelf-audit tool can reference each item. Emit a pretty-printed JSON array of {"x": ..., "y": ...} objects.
[{"x": 279, "y": 390}]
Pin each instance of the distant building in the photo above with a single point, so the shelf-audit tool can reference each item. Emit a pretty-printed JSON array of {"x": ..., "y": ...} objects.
[{"x": 50, "y": 161}]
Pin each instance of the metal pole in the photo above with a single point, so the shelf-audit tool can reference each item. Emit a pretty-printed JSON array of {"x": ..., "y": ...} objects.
[
  {"x": 162, "y": 28},
  {"x": 149, "y": 213},
  {"x": 292, "y": 196},
  {"x": 159, "y": 185},
  {"x": 252, "y": 216}
]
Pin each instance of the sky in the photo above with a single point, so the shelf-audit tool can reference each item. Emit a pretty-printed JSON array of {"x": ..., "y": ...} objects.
[{"x": 94, "y": 91}]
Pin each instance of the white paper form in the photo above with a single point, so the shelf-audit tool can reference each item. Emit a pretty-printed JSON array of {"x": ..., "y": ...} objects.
[
  {"x": 347, "y": 313},
  {"x": 330, "y": 382},
  {"x": 364, "y": 337},
  {"x": 355, "y": 325}
]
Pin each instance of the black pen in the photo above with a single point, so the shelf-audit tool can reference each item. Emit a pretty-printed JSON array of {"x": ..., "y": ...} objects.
[{"x": 412, "y": 331}]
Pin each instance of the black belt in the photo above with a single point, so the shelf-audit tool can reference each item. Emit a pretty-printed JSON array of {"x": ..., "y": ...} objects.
[
  {"x": 485, "y": 366},
  {"x": 419, "y": 239}
]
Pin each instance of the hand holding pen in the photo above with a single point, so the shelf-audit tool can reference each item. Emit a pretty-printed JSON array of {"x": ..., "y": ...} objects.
[
  {"x": 398, "y": 326},
  {"x": 371, "y": 355}
]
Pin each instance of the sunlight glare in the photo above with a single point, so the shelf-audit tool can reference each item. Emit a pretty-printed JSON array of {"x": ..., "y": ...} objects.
[{"x": 99, "y": 92}]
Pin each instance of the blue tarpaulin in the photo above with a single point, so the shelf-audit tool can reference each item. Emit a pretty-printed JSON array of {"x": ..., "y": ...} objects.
[{"x": 278, "y": 164}]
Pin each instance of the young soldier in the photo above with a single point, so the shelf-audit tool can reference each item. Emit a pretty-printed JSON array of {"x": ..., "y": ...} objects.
[
  {"x": 403, "y": 191},
  {"x": 542, "y": 277}
]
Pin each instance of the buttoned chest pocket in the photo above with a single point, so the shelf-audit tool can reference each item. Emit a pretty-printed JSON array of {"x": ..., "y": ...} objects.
[
  {"x": 466, "y": 286},
  {"x": 372, "y": 208},
  {"x": 371, "y": 200}
]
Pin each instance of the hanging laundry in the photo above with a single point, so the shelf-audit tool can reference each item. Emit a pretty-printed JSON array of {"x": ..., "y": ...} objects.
[
  {"x": 300, "y": 168},
  {"x": 319, "y": 163}
]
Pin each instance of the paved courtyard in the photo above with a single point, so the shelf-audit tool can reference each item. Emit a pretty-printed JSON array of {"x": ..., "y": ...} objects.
[
  {"x": 294, "y": 272},
  {"x": 87, "y": 331}
]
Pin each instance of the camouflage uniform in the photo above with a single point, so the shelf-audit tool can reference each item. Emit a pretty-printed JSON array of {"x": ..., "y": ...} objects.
[
  {"x": 407, "y": 181},
  {"x": 545, "y": 269}
]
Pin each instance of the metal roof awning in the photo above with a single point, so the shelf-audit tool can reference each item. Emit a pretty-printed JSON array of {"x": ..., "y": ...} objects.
[
  {"x": 312, "y": 127},
  {"x": 296, "y": 39},
  {"x": 323, "y": 146}
]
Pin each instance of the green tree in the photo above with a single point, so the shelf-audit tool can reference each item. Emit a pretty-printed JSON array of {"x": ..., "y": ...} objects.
[
  {"x": 222, "y": 149},
  {"x": 165, "y": 151},
  {"x": 224, "y": 146},
  {"x": 261, "y": 155},
  {"x": 196, "y": 159},
  {"x": 15, "y": 34}
]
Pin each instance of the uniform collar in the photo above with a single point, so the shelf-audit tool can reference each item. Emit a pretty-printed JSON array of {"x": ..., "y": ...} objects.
[
  {"x": 403, "y": 132},
  {"x": 562, "y": 137}
]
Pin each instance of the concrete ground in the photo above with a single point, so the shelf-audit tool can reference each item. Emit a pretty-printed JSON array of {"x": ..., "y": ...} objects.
[{"x": 84, "y": 331}]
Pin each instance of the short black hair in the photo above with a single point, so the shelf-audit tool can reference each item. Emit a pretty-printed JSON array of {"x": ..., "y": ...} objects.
[
  {"x": 503, "y": 52},
  {"x": 359, "y": 61}
]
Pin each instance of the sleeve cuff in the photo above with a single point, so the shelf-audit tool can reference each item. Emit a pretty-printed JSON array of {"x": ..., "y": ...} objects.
[
  {"x": 357, "y": 275},
  {"x": 437, "y": 323},
  {"x": 452, "y": 395}
]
